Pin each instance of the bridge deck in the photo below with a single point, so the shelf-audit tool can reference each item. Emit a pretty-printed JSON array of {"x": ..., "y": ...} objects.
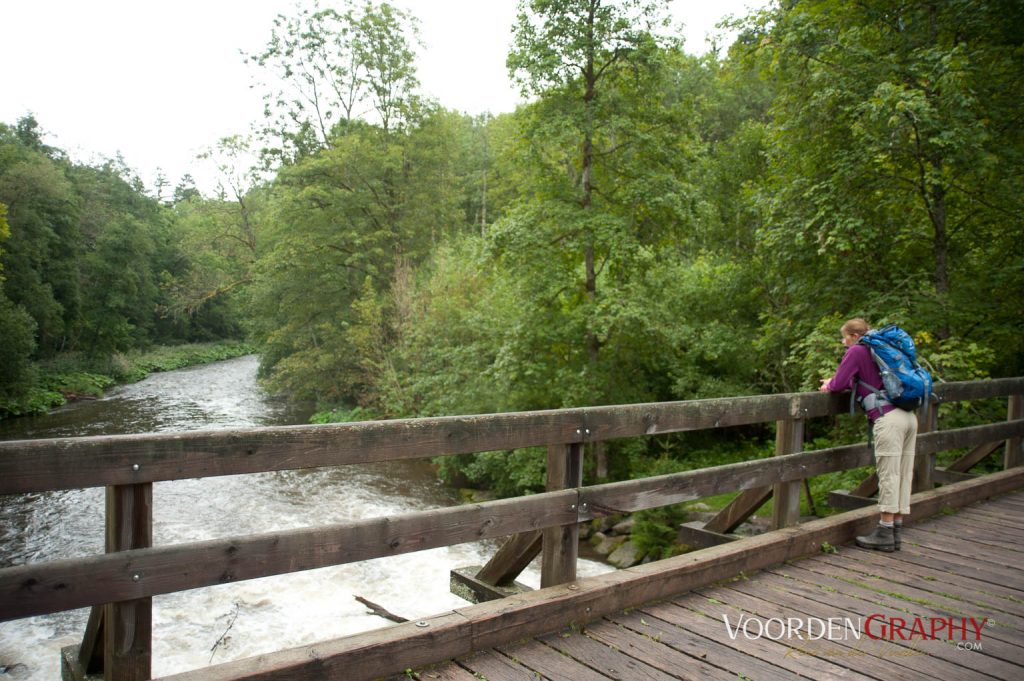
[{"x": 961, "y": 566}]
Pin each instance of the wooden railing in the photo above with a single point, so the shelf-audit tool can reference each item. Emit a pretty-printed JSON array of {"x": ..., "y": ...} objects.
[{"x": 121, "y": 583}]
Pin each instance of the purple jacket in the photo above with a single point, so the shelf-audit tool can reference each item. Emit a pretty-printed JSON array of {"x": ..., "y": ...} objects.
[{"x": 857, "y": 365}]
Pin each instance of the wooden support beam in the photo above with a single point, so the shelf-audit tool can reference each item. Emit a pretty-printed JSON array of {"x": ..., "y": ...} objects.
[
  {"x": 90, "y": 653},
  {"x": 694, "y": 535},
  {"x": 944, "y": 476},
  {"x": 128, "y": 625},
  {"x": 561, "y": 544},
  {"x": 511, "y": 559},
  {"x": 466, "y": 583},
  {"x": 1013, "y": 455},
  {"x": 739, "y": 509},
  {"x": 789, "y": 439},
  {"x": 924, "y": 462},
  {"x": 973, "y": 457},
  {"x": 867, "y": 487},
  {"x": 848, "y": 501},
  {"x": 392, "y": 650},
  {"x": 789, "y": 436}
]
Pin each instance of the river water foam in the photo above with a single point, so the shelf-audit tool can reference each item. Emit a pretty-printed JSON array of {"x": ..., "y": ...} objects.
[{"x": 195, "y": 628}]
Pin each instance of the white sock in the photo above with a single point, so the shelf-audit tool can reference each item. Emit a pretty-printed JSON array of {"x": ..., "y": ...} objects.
[{"x": 885, "y": 524}]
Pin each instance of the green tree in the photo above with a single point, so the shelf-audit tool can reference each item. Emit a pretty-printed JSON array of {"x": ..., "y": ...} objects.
[
  {"x": 333, "y": 65},
  {"x": 40, "y": 257},
  {"x": 895, "y": 165}
]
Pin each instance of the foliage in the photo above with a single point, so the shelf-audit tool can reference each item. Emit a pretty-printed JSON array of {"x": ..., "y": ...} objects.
[
  {"x": 76, "y": 375},
  {"x": 333, "y": 62}
]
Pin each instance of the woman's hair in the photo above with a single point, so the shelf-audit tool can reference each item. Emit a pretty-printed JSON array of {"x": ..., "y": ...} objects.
[{"x": 855, "y": 327}]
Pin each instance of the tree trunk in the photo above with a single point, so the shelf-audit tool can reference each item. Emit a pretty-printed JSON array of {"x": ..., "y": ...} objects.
[{"x": 592, "y": 341}]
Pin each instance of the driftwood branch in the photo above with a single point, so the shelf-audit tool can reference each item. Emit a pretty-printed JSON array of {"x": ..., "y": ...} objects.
[{"x": 379, "y": 611}]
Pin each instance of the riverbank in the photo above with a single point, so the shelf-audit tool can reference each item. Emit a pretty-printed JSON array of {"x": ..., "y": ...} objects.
[{"x": 73, "y": 377}]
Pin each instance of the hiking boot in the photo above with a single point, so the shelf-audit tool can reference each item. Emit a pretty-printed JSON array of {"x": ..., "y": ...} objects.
[
  {"x": 879, "y": 540},
  {"x": 897, "y": 530}
]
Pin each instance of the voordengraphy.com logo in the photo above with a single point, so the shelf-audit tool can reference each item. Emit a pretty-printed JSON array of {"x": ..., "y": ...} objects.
[{"x": 875, "y": 627}]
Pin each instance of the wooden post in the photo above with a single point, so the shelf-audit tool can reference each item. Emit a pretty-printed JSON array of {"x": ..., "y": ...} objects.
[
  {"x": 789, "y": 439},
  {"x": 1013, "y": 456},
  {"x": 924, "y": 464},
  {"x": 128, "y": 625},
  {"x": 561, "y": 544}
]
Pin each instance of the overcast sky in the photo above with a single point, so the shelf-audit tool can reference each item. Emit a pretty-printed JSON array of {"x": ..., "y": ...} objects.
[{"x": 160, "y": 81}]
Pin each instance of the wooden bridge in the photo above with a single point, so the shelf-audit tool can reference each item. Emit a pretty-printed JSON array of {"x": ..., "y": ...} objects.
[{"x": 659, "y": 620}]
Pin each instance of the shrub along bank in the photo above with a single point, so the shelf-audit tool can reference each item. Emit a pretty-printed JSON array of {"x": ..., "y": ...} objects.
[{"x": 73, "y": 376}]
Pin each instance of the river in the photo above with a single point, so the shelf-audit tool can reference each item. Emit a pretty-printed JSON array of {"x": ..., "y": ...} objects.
[{"x": 205, "y": 626}]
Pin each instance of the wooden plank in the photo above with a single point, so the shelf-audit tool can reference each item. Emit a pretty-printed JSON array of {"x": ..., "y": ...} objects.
[
  {"x": 486, "y": 625},
  {"x": 973, "y": 543},
  {"x": 944, "y": 440},
  {"x": 511, "y": 559},
  {"x": 606, "y": 660},
  {"x": 959, "y": 391},
  {"x": 560, "y": 544},
  {"x": 924, "y": 579},
  {"x": 656, "y": 651},
  {"x": 840, "y": 661},
  {"x": 976, "y": 532},
  {"x": 789, "y": 439},
  {"x": 72, "y": 583},
  {"x": 748, "y": 659},
  {"x": 450, "y": 671},
  {"x": 832, "y": 599},
  {"x": 128, "y": 624},
  {"x": 1009, "y": 503},
  {"x": 493, "y": 665},
  {"x": 985, "y": 572},
  {"x": 765, "y": 598},
  {"x": 985, "y": 513},
  {"x": 720, "y": 655},
  {"x": 1013, "y": 455},
  {"x": 73, "y": 463},
  {"x": 893, "y": 598},
  {"x": 549, "y": 663},
  {"x": 664, "y": 490},
  {"x": 837, "y": 658}
]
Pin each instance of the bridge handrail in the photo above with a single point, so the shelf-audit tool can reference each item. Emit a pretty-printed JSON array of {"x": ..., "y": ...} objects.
[
  {"x": 66, "y": 584},
  {"x": 107, "y": 460},
  {"x": 120, "y": 583}
]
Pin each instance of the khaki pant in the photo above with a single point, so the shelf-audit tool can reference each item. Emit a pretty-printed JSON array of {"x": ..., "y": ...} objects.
[{"x": 895, "y": 435}]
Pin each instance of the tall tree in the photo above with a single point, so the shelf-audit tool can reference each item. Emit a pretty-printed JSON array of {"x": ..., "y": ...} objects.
[
  {"x": 895, "y": 160},
  {"x": 573, "y": 48},
  {"x": 332, "y": 67}
]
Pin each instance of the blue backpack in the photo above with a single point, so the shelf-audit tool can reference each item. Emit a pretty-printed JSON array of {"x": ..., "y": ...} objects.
[{"x": 906, "y": 384}]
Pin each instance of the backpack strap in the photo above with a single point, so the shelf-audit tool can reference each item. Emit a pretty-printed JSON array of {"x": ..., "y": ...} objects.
[{"x": 875, "y": 400}]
